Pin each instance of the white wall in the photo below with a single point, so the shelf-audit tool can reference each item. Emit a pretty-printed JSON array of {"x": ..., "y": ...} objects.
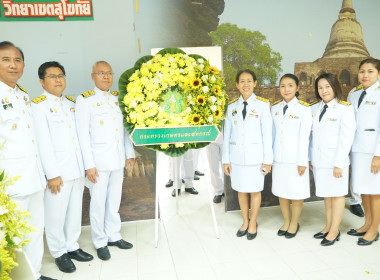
[{"x": 77, "y": 45}]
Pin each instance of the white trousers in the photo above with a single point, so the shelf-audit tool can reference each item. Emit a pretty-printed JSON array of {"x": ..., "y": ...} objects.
[
  {"x": 34, "y": 204},
  {"x": 104, "y": 207},
  {"x": 214, "y": 155},
  {"x": 63, "y": 217}
]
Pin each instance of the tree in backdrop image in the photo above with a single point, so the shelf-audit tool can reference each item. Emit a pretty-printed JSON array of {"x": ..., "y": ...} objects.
[{"x": 246, "y": 49}]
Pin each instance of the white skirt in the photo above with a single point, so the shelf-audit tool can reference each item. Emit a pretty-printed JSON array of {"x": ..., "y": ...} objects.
[
  {"x": 326, "y": 185},
  {"x": 247, "y": 178},
  {"x": 363, "y": 181},
  {"x": 287, "y": 183}
]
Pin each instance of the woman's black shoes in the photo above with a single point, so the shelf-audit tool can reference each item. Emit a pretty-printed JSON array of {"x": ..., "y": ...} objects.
[
  {"x": 353, "y": 232},
  {"x": 291, "y": 235},
  {"x": 281, "y": 232},
  {"x": 241, "y": 233},
  {"x": 251, "y": 236},
  {"x": 363, "y": 242},
  {"x": 326, "y": 242},
  {"x": 320, "y": 235}
]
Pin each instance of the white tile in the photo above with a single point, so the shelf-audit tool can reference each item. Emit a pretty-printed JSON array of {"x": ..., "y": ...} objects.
[
  {"x": 200, "y": 273},
  {"x": 304, "y": 262},
  {"x": 160, "y": 275},
  {"x": 266, "y": 267},
  {"x": 119, "y": 268},
  {"x": 356, "y": 272},
  {"x": 155, "y": 263},
  {"x": 234, "y": 270},
  {"x": 336, "y": 257}
]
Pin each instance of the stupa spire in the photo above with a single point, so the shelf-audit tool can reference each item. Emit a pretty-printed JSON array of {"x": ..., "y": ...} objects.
[{"x": 346, "y": 37}]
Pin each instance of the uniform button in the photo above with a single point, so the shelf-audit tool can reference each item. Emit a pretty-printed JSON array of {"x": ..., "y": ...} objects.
[
  {"x": 282, "y": 122},
  {"x": 76, "y": 149},
  {"x": 33, "y": 141},
  {"x": 67, "y": 115},
  {"x": 282, "y": 132},
  {"x": 280, "y": 142},
  {"x": 111, "y": 108},
  {"x": 23, "y": 111},
  {"x": 69, "y": 125},
  {"x": 116, "y": 129},
  {"x": 36, "y": 155},
  {"x": 9, "y": 90},
  {"x": 114, "y": 118},
  {"x": 318, "y": 149},
  {"x": 28, "y": 126},
  {"x": 243, "y": 134},
  {"x": 73, "y": 137},
  {"x": 117, "y": 141}
]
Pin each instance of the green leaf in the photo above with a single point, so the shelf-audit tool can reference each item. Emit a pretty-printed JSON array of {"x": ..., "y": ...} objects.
[
  {"x": 1, "y": 176},
  {"x": 142, "y": 60},
  {"x": 196, "y": 56},
  {"x": 171, "y": 51}
]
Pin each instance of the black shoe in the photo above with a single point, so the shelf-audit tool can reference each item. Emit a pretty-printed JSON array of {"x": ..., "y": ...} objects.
[
  {"x": 291, "y": 235},
  {"x": 198, "y": 173},
  {"x": 196, "y": 178},
  {"x": 103, "y": 253},
  {"x": 65, "y": 264},
  {"x": 326, "y": 242},
  {"x": 363, "y": 242},
  {"x": 121, "y": 244},
  {"x": 218, "y": 198},
  {"x": 241, "y": 233},
  {"x": 357, "y": 210},
  {"x": 173, "y": 193},
  {"x": 191, "y": 190},
  {"x": 46, "y": 278},
  {"x": 281, "y": 232},
  {"x": 169, "y": 183},
  {"x": 353, "y": 232},
  {"x": 251, "y": 236},
  {"x": 80, "y": 256},
  {"x": 320, "y": 235}
]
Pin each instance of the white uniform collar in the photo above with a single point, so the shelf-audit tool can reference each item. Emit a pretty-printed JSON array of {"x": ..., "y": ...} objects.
[
  {"x": 331, "y": 104},
  {"x": 372, "y": 88},
  {"x": 52, "y": 97},
  {"x": 99, "y": 91},
  {"x": 5, "y": 87},
  {"x": 249, "y": 100},
  {"x": 292, "y": 102}
]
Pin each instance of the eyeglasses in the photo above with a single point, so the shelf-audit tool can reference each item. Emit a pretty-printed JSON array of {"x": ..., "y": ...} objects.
[
  {"x": 102, "y": 74},
  {"x": 54, "y": 77}
]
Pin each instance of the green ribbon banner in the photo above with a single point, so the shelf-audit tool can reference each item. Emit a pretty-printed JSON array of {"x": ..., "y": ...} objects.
[
  {"x": 46, "y": 10},
  {"x": 170, "y": 135}
]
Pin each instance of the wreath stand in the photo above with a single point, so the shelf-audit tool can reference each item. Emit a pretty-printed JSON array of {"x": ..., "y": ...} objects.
[{"x": 177, "y": 184}]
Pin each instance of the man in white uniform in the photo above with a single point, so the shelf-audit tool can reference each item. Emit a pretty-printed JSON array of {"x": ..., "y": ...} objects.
[
  {"x": 105, "y": 146},
  {"x": 214, "y": 155},
  {"x": 20, "y": 154},
  {"x": 62, "y": 162}
]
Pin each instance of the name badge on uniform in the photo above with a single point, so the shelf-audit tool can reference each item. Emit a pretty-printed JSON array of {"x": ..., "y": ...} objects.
[
  {"x": 253, "y": 116},
  {"x": 277, "y": 113},
  {"x": 253, "y": 111},
  {"x": 331, "y": 119},
  {"x": 27, "y": 103},
  {"x": 101, "y": 122},
  {"x": 117, "y": 103},
  {"x": 72, "y": 109},
  {"x": 294, "y": 117},
  {"x": 370, "y": 102},
  {"x": 14, "y": 126},
  {"x": 8, "y": 106},
  {"x": 25, "y": 98}
]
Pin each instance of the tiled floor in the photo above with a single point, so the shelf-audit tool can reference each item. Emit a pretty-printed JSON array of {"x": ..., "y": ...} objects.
[{"x": 188, "y": 248}]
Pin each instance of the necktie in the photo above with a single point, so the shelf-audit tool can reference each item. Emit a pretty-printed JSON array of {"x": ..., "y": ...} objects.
[
  {"x": 245, "y": 109},
  {"x": 323, "y": 112},
  {"x": 361, "y": 98},
  {"x": 284, "y": 109}
]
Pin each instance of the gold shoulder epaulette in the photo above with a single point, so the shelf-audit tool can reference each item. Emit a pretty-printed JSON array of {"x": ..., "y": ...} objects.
[
  {"x": 315, "y": 102},
  {"x": 88, "y": 93},
  {"x": 234, "y": 100},
  {"x": 304, "y": 103},
  {"x": 262, "y": 99},
  {"x": 344, "y": 102},
  {"x": 276, "y": 102},
  {"x": 116, "y": 93},
  {"x": 358, "y": 87},
  {"x": 72, "y": 99},
  {"x": 39, "y": 99},
  {"x": 20, "y": 87}
]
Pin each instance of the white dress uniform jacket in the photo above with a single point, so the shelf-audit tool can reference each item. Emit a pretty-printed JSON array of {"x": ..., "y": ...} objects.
[
  {"x": 291, "y": 132},
  {"x": 20, "y": 157},
  {"x": 249, "y": 141},
  {"x": 20, "y": 153},
  {"x": 332, "y": 137},
  {"x": 57, "y": 137},
  {"x": 104, "y": 142},
  {"x": 367, "y": 135}
]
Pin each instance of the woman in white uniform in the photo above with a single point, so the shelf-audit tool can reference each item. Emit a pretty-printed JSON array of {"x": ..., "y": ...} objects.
[
  {"x": 365, "y": 154},
  {"x": 333, "y": 132},
  {"x": 247, "y": 148},
  {"x": 291, "y": 132}
]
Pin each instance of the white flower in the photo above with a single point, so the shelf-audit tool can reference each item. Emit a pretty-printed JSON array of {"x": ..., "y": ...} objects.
[
  {"x": 201, "y": 66},
  {"x": 2, "y": 235},
  {"x": 150, "y": 104},
  {"x": 213, "y": 108},
  {"x": 213, "y": 79},
  {"x": 133, "y": 104},
  {"x": 205, "y": 89},
  {"x": 201, "y": 60},
  {"x": 181, "y": 70},
  {"x": 148, "y": 62},
  {"x": 188, "y": 110},
  {"x": 3, "y": 210},
  {"x": 171, "y": 59},
  {"x": 213, "y": 99},
  {"x": 191, "y": 102},
  {"x": 194, "y": 63},
  {"x": 219, "y": 102},
  {"x": 205, "y": 78},
  {"x": 156, "y": 80},
  {"x": 189, "y": 97},
  {"x": 210, "y": 119},
  {"x": 185, "y": 56}
]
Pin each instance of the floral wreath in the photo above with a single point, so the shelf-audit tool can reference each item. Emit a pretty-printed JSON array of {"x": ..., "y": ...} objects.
[{"x": 172, "y": 89}]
